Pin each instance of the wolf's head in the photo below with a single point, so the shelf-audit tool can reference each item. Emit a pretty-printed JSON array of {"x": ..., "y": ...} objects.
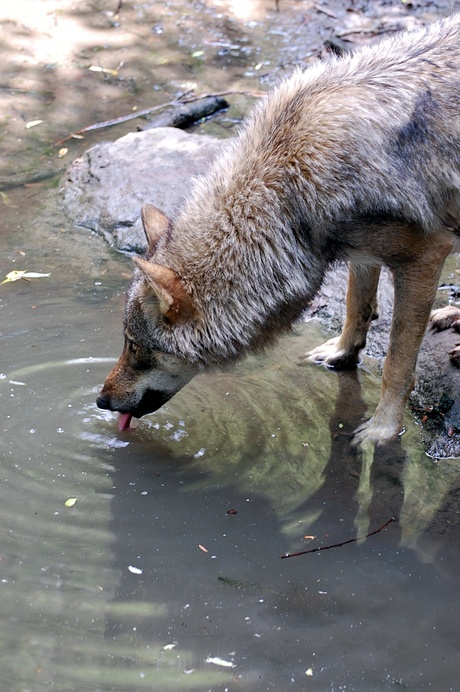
[{"x": 150, "y": 369}]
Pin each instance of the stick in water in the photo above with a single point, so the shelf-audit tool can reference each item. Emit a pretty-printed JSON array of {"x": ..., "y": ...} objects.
[{"x": 339, "y": 545}]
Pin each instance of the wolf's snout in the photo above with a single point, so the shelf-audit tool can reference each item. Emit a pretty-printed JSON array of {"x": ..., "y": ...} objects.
[
  {"x": 103, "y": 401},
  {"x": 150, "y": 401}
]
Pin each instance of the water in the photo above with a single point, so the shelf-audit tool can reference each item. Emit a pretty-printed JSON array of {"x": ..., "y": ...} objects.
[
  {"x": 168, "y": 564},
  {"x": 151, "y": 559}
]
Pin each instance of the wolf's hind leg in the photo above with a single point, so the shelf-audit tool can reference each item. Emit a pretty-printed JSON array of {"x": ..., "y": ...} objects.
[
  {"x": 342, "y": 352},
  {"x": 415, "y": 286}
]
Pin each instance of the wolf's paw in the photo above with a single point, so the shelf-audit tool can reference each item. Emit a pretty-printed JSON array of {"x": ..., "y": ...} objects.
[
  {"x": 376, "y": 433},
  {"x": 445, "y": 318},
  {"x": 331, "y": 355}
]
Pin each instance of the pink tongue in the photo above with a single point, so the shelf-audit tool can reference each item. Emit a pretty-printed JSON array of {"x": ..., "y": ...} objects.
[{"x": 124, "y": 421}]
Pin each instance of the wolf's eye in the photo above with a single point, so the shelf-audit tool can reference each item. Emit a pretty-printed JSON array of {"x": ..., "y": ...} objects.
[
  {"x": 132, "y": 346},
  {"x": 140, "y": 357}
]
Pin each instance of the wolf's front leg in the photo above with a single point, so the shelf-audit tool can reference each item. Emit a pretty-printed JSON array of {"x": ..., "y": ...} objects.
[
  {"x": 342, "y": 352},
  {"x": 415, "y": 289}
]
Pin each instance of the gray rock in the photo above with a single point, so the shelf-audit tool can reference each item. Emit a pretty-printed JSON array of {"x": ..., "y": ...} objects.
[
  {"x": 436, "y": 397},
  {"x": 105, "y": 188}
]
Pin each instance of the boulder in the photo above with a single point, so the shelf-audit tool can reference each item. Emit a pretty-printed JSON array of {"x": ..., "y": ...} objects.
[{"x": 105, "y": 188}]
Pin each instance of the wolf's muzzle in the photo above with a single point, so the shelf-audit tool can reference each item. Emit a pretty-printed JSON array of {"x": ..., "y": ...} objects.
[{"x": 151, "y": 401}]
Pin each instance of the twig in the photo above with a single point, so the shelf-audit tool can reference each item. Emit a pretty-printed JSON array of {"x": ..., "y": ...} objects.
[
  {"x": 146, "y": 111},
  {"x": 22, "y": 180},
  {"x": 339, "y": 545},
  {"x": 116, "y": 121},
  {"x": 187, "y": 114},
  {"x": 375, "y": 31},
  {"x": 185, "y": 99},
  {"x": 324, "y": 10}
]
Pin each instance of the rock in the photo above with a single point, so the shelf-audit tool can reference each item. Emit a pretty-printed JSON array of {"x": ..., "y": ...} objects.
[
  {"x": 105, "y": 188},
  {"x": 436, "y": 397}
]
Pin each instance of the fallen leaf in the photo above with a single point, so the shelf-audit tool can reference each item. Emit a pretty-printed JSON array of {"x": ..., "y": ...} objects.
[
  {"x": 6, "y": 200},
  {"x": 105, "y": 70},
  {"x": 34, "y": 275},
  {"x": 14, "y": 276},
  {"x": 33, "y": 123},
  {"x": 201, "y": 547},
  {"x": 17, "y": 274},
  {"x": 135, "y": 570},
  {"x": 62, "y": 152},
  {"x": 220, "y": 662},
  {"x": 71, "y": 502}
]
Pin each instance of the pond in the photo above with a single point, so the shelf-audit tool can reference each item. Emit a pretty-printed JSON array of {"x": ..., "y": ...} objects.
[{"x": 154, "y": 559}]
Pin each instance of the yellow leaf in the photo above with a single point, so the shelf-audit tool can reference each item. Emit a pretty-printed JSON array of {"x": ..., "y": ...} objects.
[
  {"x": 17, "y": 274},
  {"x": 6, "y": 200},
  {"x": 105, "y": 70},
  {"x": 71, "y": 502},
  {"x": 14, "y": 276},
  {"x": 62, "y": 152}
]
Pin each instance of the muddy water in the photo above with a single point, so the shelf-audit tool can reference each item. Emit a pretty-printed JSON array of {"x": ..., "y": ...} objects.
[{"x": 151, "y": 559}]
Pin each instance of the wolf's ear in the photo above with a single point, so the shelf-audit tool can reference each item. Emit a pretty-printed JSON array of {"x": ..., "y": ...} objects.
[
  {"x": 155, "y": 224},
  {"x": 175, "y": 303}
]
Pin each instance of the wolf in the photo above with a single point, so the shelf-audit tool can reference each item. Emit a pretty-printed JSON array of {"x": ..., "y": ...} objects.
[{"x": 356, "y": 159}]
